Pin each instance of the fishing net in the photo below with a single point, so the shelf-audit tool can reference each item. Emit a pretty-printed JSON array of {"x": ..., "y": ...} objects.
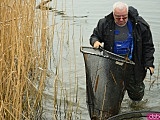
[{"x": 105, "y": 81}]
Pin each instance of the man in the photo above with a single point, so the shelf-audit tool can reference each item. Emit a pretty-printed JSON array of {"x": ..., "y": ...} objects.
[{"x": 125, "y": 33}]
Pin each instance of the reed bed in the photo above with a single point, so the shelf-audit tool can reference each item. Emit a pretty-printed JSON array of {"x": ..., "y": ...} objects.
[{"x": 24, "y": 53}]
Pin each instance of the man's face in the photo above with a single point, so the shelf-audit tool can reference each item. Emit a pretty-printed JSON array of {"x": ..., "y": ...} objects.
[{"x": 120, "y": 16}]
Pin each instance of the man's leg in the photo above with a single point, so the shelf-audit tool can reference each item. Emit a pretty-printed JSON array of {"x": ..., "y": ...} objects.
[{"x": 134, "y": 89}]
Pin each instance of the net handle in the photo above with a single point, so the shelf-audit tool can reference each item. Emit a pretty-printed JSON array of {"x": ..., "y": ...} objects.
[{"x": 102, "y": 49}]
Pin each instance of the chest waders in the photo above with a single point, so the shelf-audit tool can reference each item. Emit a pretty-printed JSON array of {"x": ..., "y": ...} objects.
[{"x": 125, "y": 47}]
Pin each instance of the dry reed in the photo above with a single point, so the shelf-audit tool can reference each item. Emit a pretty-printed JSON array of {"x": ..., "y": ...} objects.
[
  {"x": 65, "y": 87},
  {"x": 26, "y": 46},
  {"x": 24, "y": 53}
]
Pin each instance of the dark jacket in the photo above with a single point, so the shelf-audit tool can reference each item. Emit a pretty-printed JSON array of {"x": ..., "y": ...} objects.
[{"x": 143, "y": 45}]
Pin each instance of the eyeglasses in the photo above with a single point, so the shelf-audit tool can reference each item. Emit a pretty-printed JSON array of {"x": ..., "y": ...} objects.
[{"x": 119, "y": 17}]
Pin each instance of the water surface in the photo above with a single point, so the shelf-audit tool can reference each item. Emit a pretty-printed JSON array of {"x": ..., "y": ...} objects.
[{"x": 80, "y": 18}]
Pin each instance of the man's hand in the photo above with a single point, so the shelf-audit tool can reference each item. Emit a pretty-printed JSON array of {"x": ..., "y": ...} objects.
[
  {"x": 151, "y": 70},
  {"x": 97, "y": 44}
]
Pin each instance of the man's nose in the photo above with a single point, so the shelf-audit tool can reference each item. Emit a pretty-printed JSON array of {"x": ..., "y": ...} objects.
[{"x": 121, "y": 18}]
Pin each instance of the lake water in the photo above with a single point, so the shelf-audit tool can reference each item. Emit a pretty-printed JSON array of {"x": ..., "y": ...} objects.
[{"x": 72, "y": 30}]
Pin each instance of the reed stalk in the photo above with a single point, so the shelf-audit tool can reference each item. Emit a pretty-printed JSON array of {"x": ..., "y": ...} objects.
[{"x": 65, "y": 86}]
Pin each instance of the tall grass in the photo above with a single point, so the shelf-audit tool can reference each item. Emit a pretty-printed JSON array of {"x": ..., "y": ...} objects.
[{"x": 24, "y": 53}]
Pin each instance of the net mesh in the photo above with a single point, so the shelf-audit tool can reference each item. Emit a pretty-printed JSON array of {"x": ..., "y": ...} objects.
[{"x": 105, "y": 85}]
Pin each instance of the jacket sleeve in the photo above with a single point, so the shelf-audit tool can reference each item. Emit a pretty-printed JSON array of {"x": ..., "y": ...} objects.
[
  {"x": 97, "y": 33},
  {"x": 148, "y": 48}
]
